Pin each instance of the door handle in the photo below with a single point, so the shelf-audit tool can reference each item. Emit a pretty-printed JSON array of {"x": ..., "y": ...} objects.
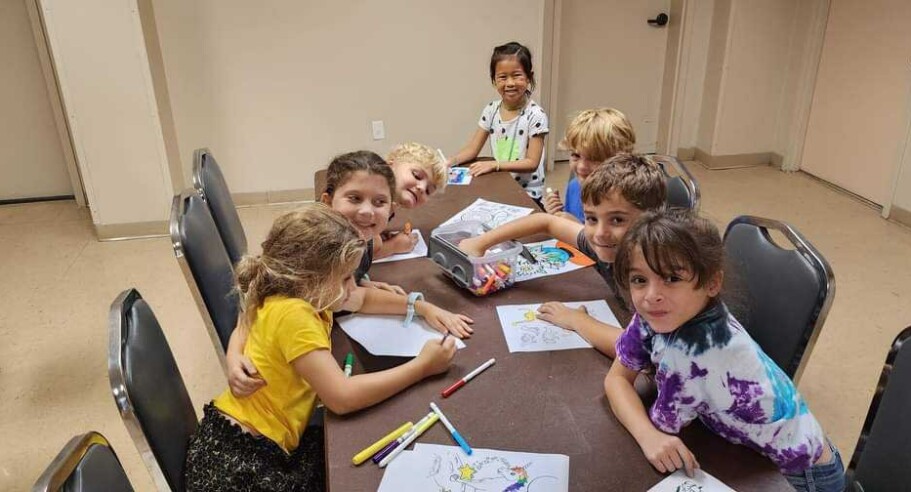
[{"x": 660, "y": 20}]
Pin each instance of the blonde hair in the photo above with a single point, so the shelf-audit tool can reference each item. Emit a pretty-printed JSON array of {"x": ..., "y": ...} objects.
[
  {"x": 305, "y": 255},
  {"x": 599, "y": 134},
  {"x": 423, "y": 156}
]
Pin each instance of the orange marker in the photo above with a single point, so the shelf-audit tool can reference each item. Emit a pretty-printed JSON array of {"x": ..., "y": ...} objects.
[{"x": 407, "y": 227}]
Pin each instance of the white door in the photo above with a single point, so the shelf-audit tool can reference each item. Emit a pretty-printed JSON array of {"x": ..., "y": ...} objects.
[
  {"x": 32, "y": 162},
  {"x": 610, "y": 56}
]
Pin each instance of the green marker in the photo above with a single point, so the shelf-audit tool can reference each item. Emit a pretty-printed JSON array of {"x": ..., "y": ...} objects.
[{"x": 349, "y": 364}]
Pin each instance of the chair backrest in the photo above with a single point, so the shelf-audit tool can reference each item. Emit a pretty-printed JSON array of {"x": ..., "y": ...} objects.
[
  {"x": 206, "y": 266},
  {"x": 87, "y": 463},
  {"x": 682, "y": 187},
  {"x": 210, "y": 183},
  {"x": 781, "y": 296},
  {"x": 149, "y": 390},
  {"x": 883, "y": 451}
]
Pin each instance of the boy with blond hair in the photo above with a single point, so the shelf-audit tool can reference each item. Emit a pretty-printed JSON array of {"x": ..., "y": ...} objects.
[
  {"x": 593, "y": 137},
  {"x": 614, "y": 196}
]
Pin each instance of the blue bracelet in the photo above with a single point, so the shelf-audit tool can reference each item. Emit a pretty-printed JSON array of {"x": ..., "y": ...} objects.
[{"x": 412, "y": 299}]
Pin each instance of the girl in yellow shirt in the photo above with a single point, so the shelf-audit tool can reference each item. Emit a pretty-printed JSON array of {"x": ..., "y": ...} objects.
[{"x": 306, "y": 271}]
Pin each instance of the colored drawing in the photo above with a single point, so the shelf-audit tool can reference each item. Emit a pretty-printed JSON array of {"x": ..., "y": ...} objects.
[
  {"x": 459, "y": 176},
  {"x": 554, "y": 257},
  {"x": 491, "y": 214},
  {"x": 433, "y": 467},
  {"x": 524, "y": 332},
  {"x": 701, "y": 482}
]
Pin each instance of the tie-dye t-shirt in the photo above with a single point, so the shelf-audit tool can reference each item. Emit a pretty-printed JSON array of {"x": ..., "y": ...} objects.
[
  {"x": 710, "y": 368},
  {"x": 509, "y": 141}
]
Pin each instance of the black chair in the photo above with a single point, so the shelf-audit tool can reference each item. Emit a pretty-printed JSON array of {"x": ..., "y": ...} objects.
[
  {"x": 149, "y": 390},
  {"x": 206, "y": 266},
  {"x": 883, "y": 451},
  {"x": 682, "y": 188},
  {"x": 781, "y": 296},
  {"x": 210, "y": 183},
  {"x": 87, "y": 463}
]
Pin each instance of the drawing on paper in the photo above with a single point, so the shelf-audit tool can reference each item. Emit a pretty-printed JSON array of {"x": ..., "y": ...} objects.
[
  {"x": 524, "y": 332},
  {"x": 553, "y": 258},
  {"x": 689, "y": 486},
  {"x": 453, "y": 473},
  {"x": 491, "y": 214},
  {"x": 536, "y": 332},
  {"x": 459, "y": 176}
]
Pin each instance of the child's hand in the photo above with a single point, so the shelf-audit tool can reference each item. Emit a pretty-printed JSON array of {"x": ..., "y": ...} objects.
[
  {"x": 243, "y": 377},
  {"x": 668, "y": 453},
  {"x": 482, "y": 167},
  {"x": 560, "y": 315},
  {"x": 383, "y": 286},
  {"x": 402, "y": 242},
  {"x": 435, "y": 357},
  {"x": 471, "y": 247},
  {"x": 444, "y": 321},
  {"x": 553, "y": 203}
]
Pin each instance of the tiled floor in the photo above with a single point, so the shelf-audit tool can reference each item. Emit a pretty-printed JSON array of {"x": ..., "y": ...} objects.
[{"x": 57, "y": 283}]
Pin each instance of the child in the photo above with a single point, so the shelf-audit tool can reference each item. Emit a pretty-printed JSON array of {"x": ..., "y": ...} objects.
[
  {"x": 613, "y": 196},
  {"x": 419, "y": 173},
  {"x": 360, "y": 186},
  {"x": 593, "y": 137},
  {"x": 705, "y": 363},
  {"x": 288, "y": 293},
  {"x": 515, "y": 124}
]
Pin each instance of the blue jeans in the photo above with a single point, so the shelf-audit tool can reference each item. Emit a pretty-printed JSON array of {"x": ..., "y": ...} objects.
[{"x": 822, "y": 477}]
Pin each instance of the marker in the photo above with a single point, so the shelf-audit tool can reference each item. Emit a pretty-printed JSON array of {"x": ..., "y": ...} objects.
[
  {"x": 455, "y": 434},
  {"x": 527, "y": 255},
  {"x": 395, "y": 443},
  {"x": 414, "y": 435},
  {"x": 370, "y": 450},
  {"x": 349, "y": 364},
  {"x": 444, "y": 338},
  {"x": 407, "y": 228},
  {"x": 458, "y": 384},
  {"x": 442, "y": 157}
]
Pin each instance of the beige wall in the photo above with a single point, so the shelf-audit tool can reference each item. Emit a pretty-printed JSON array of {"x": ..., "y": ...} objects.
[
  {"x": 692, "y": 72},
  {"x": 103, "y": 69},
  {"x": 714, "y": 75},
  {"x": 31, "y": 159},
  {"x": 275, "y": 91},
  {"x": 857, "y": 123}
]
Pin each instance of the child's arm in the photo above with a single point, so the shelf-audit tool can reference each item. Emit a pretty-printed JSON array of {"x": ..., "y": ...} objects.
[
  {"x": 375, "y": 301},
  {"x": 471, "y": 150},
  {"x": 243, "y": 377},
  {"x": 551, "y": 225},
  {"x": 665, "y": 452},
  {"x": 526, "y": 165},
  {"x": 601, "y": 335},
  {"x": 344, "y": 395}
]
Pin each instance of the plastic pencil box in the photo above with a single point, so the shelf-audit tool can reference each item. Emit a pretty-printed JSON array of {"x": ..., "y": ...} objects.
[{"x": 483, "y": 275}]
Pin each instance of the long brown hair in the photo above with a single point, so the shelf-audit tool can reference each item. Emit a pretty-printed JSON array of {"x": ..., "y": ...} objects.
[
  {"x": 343, "y": 166},
  {"x": 306, "y": 255}
]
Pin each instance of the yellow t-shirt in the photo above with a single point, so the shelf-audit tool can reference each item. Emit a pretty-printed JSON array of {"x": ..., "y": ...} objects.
[{"x": 285, "y": 329}]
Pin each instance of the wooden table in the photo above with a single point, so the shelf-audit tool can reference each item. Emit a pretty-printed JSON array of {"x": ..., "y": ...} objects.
[{"x": 542, "y": 402}]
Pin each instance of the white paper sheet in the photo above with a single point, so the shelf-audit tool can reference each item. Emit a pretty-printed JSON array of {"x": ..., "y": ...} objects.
[
  {"x": 459, "y": 176},
  {"x": 554, "y": 257},
  {"x": 679, "y": 482},
  {"x": 419, "y": 251},
  {"x": 524, "y": 332},
  {"x": 387, "y": 335},
  {"x": 492, "y": 214},
  {"x": 432, "y": 467}
]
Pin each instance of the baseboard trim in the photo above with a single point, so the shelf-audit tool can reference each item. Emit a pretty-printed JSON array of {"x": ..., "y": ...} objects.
[
  {"x": 735, "y": 161},
  {"x": 686, "y": 153},
  {"x": 900, "y": 215},
  {"x": 132, "y": 230},
  {"x": 267, "y": 197}
]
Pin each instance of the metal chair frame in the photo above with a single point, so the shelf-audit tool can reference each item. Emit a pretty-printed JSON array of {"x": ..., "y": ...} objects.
[
  {"x": 881, "y": 386},
  {"x": 117, "y": 378},
  {"x": 198, "y": 181},
  {"x": 178, "y": 208},
  {"x": 66, "y": 461},
  {"x": 686, "y": 176},
  {"x": 815, "y": 259}
]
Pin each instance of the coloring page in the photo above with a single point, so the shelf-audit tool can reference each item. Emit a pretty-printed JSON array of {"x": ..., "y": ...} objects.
[
  {"x": 554, "y": 257},
  {"x": 387, "y": 335},
  {"x": 419, "y": 251},
  {"x": 524, "y": 332},
  {"x": 437, "y": 468},
  {"x": 679, "y": 482},
  {"x": 491, "y": 214},
  {"x": 459, "y": 176}
]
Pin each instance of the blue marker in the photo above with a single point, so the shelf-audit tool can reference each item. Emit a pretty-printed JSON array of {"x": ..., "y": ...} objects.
[{"x": 455, "y": 434}]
